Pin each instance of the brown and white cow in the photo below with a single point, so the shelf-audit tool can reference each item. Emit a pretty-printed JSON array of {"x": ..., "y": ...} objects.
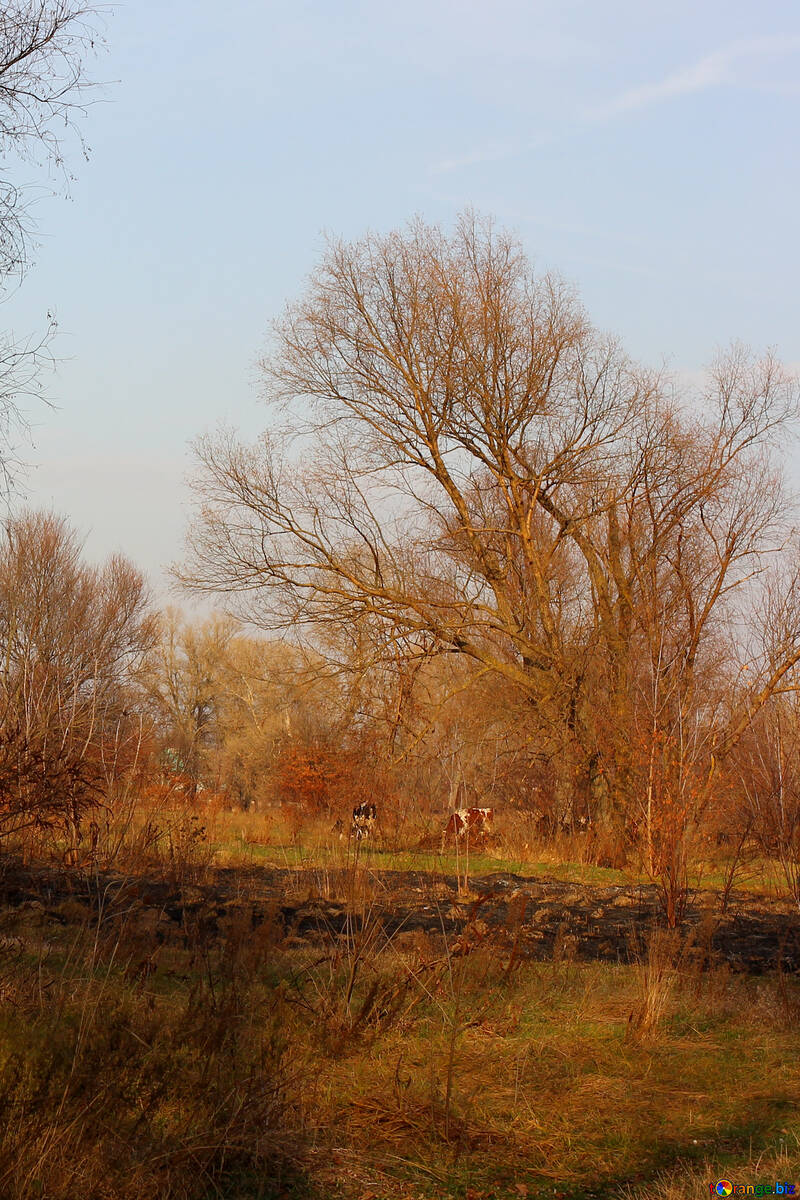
[{"x": 470, "y": 823}]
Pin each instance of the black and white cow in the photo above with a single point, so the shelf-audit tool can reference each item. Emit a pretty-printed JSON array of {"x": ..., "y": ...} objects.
[{"x": 364, "y": 818}]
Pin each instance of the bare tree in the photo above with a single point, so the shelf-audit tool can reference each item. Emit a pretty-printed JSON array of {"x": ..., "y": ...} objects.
[
  {"x": 44, "y": 46},
  {"x": 223, "y": 702},
  {"x": 465, "y": 459},
  {"x": 71, "y": 636},
  {"x": 184, "y": 676},
  {"x": 768, "y": 762}
]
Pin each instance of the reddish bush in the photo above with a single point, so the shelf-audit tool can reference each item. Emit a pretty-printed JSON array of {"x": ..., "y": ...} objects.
[{"x": 321, "y": 779}]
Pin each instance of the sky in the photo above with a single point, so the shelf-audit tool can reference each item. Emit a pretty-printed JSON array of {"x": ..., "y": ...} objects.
[{"x": 646, "y": 151}]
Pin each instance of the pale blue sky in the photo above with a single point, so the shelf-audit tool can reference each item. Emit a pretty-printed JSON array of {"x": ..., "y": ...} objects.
[{"x": 648, "y": 151}]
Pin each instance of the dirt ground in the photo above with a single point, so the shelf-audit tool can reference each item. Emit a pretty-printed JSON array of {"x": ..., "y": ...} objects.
[{"x": 540, "y": 917}]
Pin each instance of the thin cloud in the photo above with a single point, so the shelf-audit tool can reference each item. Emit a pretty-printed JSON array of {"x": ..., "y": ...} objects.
[
  {"x": 724, "y": 67},
  {"x": 731, "y": 65},
  {"x": 490, "y": 154}
]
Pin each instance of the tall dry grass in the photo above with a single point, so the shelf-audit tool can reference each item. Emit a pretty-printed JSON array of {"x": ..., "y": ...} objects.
[
  {"x": 225, "y": 1054},
  {"x": 114, "y": 1087}
]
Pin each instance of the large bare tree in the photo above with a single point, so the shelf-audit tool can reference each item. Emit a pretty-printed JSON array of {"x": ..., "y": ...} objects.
[{"x": 457, "y": 454}]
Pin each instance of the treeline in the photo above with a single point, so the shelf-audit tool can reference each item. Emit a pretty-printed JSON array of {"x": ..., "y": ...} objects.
[
  {"x": 489, "y": 560},
  {"x": 103, "y": 698},
  {"x": 98, "y": 688}
]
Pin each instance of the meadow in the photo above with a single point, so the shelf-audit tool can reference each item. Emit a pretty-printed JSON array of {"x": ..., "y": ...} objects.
[{"x": 216, "y": 1005}]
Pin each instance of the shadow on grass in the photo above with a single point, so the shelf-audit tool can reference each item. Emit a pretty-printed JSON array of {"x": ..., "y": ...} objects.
[{"x": 734, "y": 1151}]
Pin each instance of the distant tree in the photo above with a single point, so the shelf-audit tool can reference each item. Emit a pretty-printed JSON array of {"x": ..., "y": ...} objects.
[
  {"x": 224, "y": 703},
  {"x": 273, "y": 698},
  {"x": 184, "y": 677},
  {"x": 70, "y": 637}
]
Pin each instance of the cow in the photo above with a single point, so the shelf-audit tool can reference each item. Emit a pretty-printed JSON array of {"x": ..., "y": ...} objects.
[
  {"x": 364, "y": 818},
  {"x": 470, "y": 823},
  {"x": 572, "y": 824}
]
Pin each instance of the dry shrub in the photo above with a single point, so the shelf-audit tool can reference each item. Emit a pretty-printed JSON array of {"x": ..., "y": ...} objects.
[
  {"x": 655, "y": 973},
  {"x": 167, "y": 837},
  {"x": 776, "y": 1002},
  {"x": 320, "y": 778},
  {"x": 518, "y": 835},
  {"x": 358, "y": 985},
  {"x": 110, "y": 1091}
]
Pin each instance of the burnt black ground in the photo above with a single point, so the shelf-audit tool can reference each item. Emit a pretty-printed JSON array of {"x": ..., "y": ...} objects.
[{"x": 541, "y": 916}]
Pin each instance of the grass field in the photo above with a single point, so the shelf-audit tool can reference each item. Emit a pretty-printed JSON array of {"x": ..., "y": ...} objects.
[
  {"x": 215, "y": 1059},
  {"x": 273, "y": 839}
]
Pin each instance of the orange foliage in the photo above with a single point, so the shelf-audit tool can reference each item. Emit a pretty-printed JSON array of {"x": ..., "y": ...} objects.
[{"x": 321, "y": 779}]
